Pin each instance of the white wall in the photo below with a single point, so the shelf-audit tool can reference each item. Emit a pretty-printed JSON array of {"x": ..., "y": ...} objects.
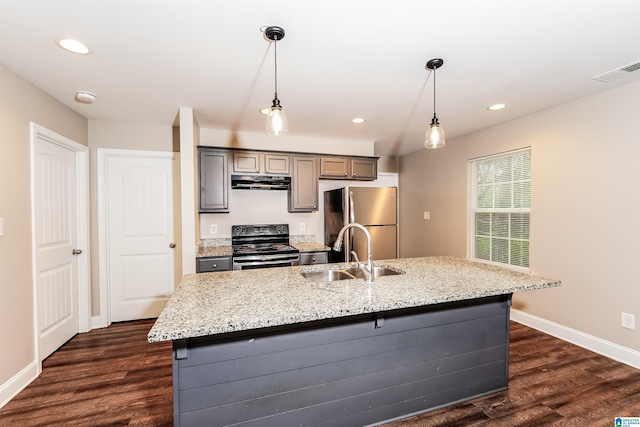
[
  {"x": 585, "y": 225},
  {"x": 270, "y": 207}
]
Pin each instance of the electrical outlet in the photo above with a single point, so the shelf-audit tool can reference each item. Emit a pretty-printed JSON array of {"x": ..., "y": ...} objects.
[
  {"x": 628, "y": 321},
  {"x": 426, "y": 215},
  {"x": 1, "y": 227},
  {"x": 214, "y": 229},
  {"x": 303, "y": 226}
]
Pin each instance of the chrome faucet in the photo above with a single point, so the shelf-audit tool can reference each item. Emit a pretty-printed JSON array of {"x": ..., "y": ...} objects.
[{"x": 337, "y": 246}]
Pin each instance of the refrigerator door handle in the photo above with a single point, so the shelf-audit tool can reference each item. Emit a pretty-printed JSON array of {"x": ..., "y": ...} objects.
[
  {"x": 352, "y": 213},
  {"x": 349, "y": 236}
]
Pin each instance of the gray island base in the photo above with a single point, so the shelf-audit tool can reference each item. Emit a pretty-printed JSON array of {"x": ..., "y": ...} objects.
[{"x": 360, "y": 355}]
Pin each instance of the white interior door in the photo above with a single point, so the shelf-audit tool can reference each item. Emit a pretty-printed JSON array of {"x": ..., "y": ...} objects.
[
  {"x": 56, "y": 239},
  {"x": 140, "y": 234}
]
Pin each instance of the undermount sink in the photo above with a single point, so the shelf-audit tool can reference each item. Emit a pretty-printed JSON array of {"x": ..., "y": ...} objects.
[{"x": 345, "y": 274}]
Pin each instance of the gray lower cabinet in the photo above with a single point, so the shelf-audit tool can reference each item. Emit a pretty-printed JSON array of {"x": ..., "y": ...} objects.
[
  {"x": 211, "y": 264},
  {"x": 352, "y": 371},
  {"x": 303, "y": 193},
  {"x": 309, "y": 258},
  {"x": 213, "y": 174}
]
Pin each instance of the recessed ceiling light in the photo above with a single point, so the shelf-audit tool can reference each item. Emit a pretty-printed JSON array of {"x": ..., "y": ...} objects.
[
  {"x": 359, "y": 120},
  {"x": 74, "y": 46},
  {"x": 496, "y": 107}
]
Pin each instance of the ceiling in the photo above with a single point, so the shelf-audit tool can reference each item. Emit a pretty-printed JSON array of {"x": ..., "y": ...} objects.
[{"x": 338, "y": 60}]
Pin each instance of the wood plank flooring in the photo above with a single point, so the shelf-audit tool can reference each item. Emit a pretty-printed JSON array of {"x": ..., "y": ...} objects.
[{"x": 113, "y": 377}]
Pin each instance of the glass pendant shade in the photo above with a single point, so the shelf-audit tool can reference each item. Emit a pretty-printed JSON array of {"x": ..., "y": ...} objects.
[
  {"x": 276, "y": 120},
  {"x": 435, "y": 135}
]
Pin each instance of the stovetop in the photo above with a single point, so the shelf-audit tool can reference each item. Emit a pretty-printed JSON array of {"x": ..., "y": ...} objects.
[
  {"x": 261, "y": 239},
  {"x": 263, "y": 248}
]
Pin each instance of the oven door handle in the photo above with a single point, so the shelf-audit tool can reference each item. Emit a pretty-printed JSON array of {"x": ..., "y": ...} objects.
[{"x": 238, "y": 264}]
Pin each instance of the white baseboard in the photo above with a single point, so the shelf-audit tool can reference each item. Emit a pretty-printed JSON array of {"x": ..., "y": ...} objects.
[
  {"x": 606, "y": 348},
  {"x": 19, "y": 381},
  {"x": 98, "y": 322}
]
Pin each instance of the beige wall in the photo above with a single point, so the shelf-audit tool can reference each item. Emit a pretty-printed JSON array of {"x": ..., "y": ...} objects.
[
  {"x": 20, "y": 103},
  {"x": 123, "y": 136},
  {"x": 585, "y": 207}
]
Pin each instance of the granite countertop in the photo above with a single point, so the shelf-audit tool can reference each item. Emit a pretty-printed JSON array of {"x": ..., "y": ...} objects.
[
  {"x": 209, "y": 251},
  {"x": 222, "y": 247},
  {"x": 310, "y": 247},
  {"x": 215, "y": 303}
]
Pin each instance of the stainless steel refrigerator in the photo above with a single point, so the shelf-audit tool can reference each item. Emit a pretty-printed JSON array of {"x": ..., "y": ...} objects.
[{"x": 373, "y": 207}]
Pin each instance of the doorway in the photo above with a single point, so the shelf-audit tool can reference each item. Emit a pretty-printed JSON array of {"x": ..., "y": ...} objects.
[
  {"x": 59, "y": 218},
  {"x": 137, "y": 233}
]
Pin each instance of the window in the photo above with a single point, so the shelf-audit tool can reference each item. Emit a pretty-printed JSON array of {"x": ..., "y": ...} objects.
[{"x": 500, "y": 193}]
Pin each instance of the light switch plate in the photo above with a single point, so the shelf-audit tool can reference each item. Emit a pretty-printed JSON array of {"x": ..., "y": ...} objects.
[{"x": 426, "y": 215}]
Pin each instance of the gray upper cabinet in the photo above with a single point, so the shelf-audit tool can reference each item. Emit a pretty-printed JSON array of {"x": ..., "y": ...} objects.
[
  {"x": 334, "y": 167},
  {"x": 303, "y": 194},
  {"x": 354, "y": 168},
  {"x": 276, "y": 164},
  {"x": 364, "y": 168},
  {"x": 248, "y": 162},
  {"x": 214, "y": 180}
]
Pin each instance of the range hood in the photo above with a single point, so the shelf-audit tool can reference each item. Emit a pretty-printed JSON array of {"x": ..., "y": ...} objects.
[{"x": 260, "y": 182}]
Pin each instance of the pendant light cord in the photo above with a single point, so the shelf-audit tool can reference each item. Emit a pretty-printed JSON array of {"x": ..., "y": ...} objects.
[
  {"x": 434, "y": 93},
  {"x": 275, "y": 56}
]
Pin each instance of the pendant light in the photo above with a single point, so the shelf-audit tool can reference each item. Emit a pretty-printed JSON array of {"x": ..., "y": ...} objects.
[
  {"x": 435, "y": 135},
  {"x": 276, "y": 119}
]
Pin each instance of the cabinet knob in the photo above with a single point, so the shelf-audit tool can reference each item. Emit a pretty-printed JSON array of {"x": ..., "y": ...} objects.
[{"x": 172, "y": 245}]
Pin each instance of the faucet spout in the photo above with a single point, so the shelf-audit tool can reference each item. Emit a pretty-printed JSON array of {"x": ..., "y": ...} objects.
[{"x": 368, "y": 269}]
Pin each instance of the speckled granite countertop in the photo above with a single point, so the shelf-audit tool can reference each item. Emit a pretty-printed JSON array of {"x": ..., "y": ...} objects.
[
  {"x": 208, "y": 251},
  {"x": 211, "y": 251},
  {"x": 310, "y": 247},
  {"x": 214, "y": 303}
]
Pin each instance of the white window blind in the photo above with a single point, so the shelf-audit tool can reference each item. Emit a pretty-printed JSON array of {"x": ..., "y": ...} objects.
[{"x": 500, "y": 208}]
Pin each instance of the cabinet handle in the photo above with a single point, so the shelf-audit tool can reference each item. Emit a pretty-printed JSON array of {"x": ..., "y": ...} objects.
[{"x": 76, "y": 252}]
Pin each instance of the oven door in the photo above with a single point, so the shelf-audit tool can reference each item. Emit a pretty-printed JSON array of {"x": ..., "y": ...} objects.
[{"x": 246, "y": 262}]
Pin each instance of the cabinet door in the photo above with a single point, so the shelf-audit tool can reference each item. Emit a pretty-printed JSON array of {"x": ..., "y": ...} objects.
[
  {"x": 214, "y": 180},
  {"x": 244, "y": 162},
  {"x": 334, "y": 167},
  {"x": 303, "y": 193},
  {"x": 364, "y": 169},
  {"x": 276, "y": 164}
]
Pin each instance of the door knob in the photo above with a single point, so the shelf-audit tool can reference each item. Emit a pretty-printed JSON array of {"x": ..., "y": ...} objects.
[
  {"x": 76, "y": 251},
  {"x": 172, "y": 245}
]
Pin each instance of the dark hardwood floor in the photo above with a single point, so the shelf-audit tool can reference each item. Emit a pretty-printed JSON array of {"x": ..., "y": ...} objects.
[{"x": 113, "y": 377}]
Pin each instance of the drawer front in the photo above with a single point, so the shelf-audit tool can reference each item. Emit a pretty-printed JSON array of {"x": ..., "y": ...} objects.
[
  {"x": 205, "y": 265},
  {"x": 308, "y": 258}
]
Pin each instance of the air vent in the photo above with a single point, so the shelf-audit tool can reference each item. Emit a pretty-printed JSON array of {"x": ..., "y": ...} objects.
[{"x": 618, "y": 72}]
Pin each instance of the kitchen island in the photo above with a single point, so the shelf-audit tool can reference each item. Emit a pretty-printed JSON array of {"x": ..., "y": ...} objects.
[{"x": 271, "y": 348}]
